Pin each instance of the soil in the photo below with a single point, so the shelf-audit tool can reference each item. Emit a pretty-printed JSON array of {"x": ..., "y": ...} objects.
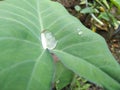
[{"x": 114, "y": 46}]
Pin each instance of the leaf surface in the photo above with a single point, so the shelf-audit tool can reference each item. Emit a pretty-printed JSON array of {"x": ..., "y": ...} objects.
[
  {"x": 25, "y": 65},
  {"x": 63, "y": 76}
]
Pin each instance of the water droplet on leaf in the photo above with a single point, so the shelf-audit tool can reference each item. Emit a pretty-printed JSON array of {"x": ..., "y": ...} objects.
[
  {"x": 79, "y": 31},
  {"x": 48, "y": 40}
]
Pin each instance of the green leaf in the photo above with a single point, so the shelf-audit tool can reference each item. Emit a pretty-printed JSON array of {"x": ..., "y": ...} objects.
[
  {"x": 87, "y": 10},
  {"x": 106, "y": 3},
  {"x": 88, "y": 70},
  {"x": 86, "y": 53},
  {"x": 77, "y": 8},
  {"x": 107, "y": 16},
  {"x": 116, "y": 3},
  {"x": 63, "y": 76},
  {"x": 25, "y": 65}
]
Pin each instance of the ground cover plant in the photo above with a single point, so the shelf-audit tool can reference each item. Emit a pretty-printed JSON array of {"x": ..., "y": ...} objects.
[{"x": 34, "y": 33}]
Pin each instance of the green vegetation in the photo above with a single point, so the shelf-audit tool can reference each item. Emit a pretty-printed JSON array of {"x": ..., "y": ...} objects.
[
  {"x": 102, "y": 15},
  {"x": 43, "y": 47}
]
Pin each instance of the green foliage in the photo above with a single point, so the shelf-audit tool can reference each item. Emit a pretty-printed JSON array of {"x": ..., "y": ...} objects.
[
  {"x": 104, "y": 15},
  {"x": 77, "y": 8},
  {"x": 63, "y": 76},
  {"x": 107, "y": 17},
  {"x": 116, "y": 2},
  {"x": 79, "y": 84},
  {"x": 87, "y": 10},
  {"x": 26, "y": 65}
]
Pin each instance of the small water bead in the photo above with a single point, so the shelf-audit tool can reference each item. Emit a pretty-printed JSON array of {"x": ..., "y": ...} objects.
[
  {"x": 48, "y": 40},
  {"x": 79, "y": 31}
]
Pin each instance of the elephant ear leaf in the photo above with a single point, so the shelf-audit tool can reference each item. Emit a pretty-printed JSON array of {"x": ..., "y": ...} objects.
[
  {"x": 28, "y": 28},
  {"x": 24, "y": 64}
]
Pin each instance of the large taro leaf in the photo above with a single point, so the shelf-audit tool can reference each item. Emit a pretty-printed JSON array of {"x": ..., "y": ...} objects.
[{"x": 25, "y": 65}]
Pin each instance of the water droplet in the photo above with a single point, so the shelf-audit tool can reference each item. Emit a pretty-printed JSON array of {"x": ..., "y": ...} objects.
[
  {"x": 79, "y": 31},
  {"x": 49, "y": 35},
  {"x": 48, "y": 40}
]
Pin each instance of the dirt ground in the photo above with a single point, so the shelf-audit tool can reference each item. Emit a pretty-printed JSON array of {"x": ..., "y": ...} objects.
[{"x": 114, "y": 46}]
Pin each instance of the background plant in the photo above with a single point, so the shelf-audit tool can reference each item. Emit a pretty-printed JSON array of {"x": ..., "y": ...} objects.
[{"x": 104, "y": 16}]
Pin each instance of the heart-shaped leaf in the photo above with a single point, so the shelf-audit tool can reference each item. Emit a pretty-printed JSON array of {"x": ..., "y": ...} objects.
[{"x": 25, "y": 62}]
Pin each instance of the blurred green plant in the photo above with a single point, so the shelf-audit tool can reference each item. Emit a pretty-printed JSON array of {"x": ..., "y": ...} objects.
[
  {"x": 79, "y": 83},
  {"x": 101, "y": 14},
  {"x": 116, "y": 3}
]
